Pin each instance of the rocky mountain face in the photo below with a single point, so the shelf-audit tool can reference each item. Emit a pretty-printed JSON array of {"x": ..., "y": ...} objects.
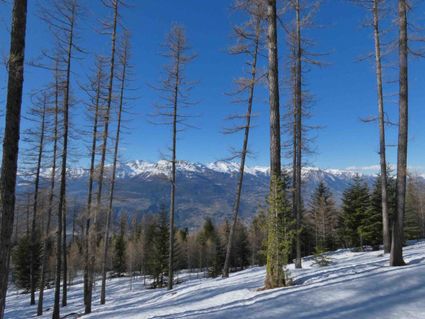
[{"x": 203, "y": 190}]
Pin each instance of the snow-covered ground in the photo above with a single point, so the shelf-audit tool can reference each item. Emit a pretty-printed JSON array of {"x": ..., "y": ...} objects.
[{"x": 356, "y": 285}]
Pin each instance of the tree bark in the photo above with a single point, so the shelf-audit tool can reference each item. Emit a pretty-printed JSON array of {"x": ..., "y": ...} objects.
[
  {"x": 35, "y": 201},
  {"x": 173, "y": 174},
  {"x": 396, "y": 256},
  {"x": 62, "y": 190},
  {"x": 11, "y": 141},
  {"x": 298, "y": 111},
  {"x": 244, "y": 148},
  {"x": 103, "y": 152},
  {"x": 274, "y": 269},
  {"x": 87, "y": 267},
  {"x": 46, "y": 242},
  {"x": 114, "y": 169},
  {"x": 381, "y": 116}
]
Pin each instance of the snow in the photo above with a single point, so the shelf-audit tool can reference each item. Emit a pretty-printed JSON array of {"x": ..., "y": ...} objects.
[{"x": 355, "y": 285}]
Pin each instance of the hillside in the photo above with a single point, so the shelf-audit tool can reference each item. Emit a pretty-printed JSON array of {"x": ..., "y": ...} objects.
[
  {"x": 204, "y": 190},
  {"x": 355, "y": 285}
]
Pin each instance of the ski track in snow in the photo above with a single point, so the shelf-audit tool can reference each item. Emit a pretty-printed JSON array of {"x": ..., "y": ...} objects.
[{"x": 355, "y": 285}]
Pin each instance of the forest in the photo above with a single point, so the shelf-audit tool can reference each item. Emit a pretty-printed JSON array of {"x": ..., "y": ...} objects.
[{"x": 77, "y": 118}]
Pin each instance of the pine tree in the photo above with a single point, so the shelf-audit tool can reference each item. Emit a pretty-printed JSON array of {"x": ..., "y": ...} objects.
[
  {"x": 356, "y": 202},
  {"x": 26, "y": 258},
  {"x": 323, "y": 217},
  {"x": 412, "y": 229},
  {"x": 119, "y": 258}
]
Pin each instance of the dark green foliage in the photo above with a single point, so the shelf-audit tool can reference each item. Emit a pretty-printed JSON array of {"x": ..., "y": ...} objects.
[
  {"x": 356, "y": 202},
  {"x": 21, "y": 258},
  {"x": 240, "y": 251},
  {"x": 412, "y": 221},
  {"x": 156, "y": 244},
  {"x": 120, "y": 245},
  {"x": 212, "y": 250}
]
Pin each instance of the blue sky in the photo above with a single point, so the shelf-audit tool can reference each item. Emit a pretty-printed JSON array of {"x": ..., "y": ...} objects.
[{"x": 344, "y": 90}]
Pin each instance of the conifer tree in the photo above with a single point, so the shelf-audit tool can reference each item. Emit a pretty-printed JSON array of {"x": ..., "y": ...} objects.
[
  {"x": 27, "y": 261},
  {"x": 323, "y": 216},
  {"x": 355, "y": 203}
]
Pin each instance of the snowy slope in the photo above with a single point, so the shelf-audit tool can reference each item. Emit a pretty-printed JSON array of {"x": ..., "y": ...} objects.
[{"x": 356, "y": 285}]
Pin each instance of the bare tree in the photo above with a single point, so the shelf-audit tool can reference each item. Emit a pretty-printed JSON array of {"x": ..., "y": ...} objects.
[
  {"x": 175, "y": 91},
  {"x": 95, "y": 92},
  {"x": 114, "y": 6},
  {"x": 39, "y": 114},
  {"x": 248, "y": 43},
  {"x": 61, "y": 17},
  {"x": 11, "y": 140},
  {"x": 47, "y": 237},
  {"x": 123, "y": 77},
  {"x": 374, "y": 7},
  {"x": 396, "y": 256}
]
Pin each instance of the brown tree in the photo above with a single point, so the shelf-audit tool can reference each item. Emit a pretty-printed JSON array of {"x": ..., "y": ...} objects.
[
  {"x": 11, "y": 140},
  {"x": 124, "y": 56},
  {"x": 248, "y": 39},
  {"x": 396, "y": 256},
  {"x": 174, "y": 89}
]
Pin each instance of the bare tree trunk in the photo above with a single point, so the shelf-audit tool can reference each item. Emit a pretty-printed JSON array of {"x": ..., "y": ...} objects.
[
  {"x": 274, "y": 273},
  {"x": 382, "y": 152},
  {"x": 396, "y": 256},
  {"x": 11, "y": 140},
  {"x": 298, "y": 111},
  {"x": 114, "y": 168},
  {"x": 62, "y": 191},
  {"x": 65, "y": 259},
  {"x": 244, "y": 147},
  {"x": 173, "y": 176},
  {"x": 103, "y": 151},
  {"x": 87, "y": 275},
  {"x": 35, "y": 201},
  {"x": 46, "y": 242}
]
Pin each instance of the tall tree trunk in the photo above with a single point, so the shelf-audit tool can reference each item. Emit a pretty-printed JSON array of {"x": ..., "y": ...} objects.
[
  {"x": 274, "y": 273},
  {"x": 382, "y": 152},
  {"x": 103, "y": 151},
  {"x": 46, "y": 242},
  {"x": 298, "y": 90},
  {"x": 396, "y": 256},
  {"x": 64, "y": 257},
  {"x": 33, "y": 283},
  {"x": 114, "y": 169},
  {"x": 244, "y": 148},
  {"x": 62, "y": 190},
  {"x": 87, "y": 276},
  {"x": 173, "y": 175},
  {"x": 11, "y": 140}
]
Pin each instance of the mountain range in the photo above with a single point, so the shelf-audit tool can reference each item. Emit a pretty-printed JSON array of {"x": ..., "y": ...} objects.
[{"x": 203, "y": 190}]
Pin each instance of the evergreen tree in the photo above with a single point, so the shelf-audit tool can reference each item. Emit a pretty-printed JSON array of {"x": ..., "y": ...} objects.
[
  {"x": 323, "y": 218},
  {"x": 212, "y": 248},
  {"x": 21, "y": 257},
  {"x": 157, "y": 243},
  {"x": 412, "y": 229},
  {"x": 119, "y": 258},
  {"x": 356, "y": 201}
]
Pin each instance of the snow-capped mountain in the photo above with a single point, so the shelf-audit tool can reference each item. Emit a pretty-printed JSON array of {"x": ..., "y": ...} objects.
[{"x": 203, "y": 190}]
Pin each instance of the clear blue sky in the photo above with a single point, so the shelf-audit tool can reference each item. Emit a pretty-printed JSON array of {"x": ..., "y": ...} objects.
[{"x": 344, "y": 90}]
